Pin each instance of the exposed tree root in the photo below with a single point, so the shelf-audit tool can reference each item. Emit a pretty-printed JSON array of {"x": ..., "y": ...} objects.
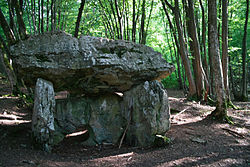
[{"x": 235, "y": 134}]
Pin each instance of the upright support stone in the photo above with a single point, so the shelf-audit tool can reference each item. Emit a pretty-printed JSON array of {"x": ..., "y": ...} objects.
[
  {"x": 146, "y": 109},
  {"x": 43, "y": 117}
]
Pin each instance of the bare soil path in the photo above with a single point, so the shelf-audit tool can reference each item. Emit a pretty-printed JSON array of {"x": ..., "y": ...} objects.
[{"x": 195, "y": 141}]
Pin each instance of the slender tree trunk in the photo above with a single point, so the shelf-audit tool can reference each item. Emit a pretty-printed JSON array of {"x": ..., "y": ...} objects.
[
  {"x": 183, "y": 48},
  {"x": 47, "y": 16},
  {"x": 79, "y": 18},
  {"x": 127, "y": 20},
  {"x": 218, "y": 20},
  {"x": 21, "y": 25},
  {"x": 220, "y": 111},
  {"x": 10, "y": 73},
  {"x": 11, "y": 14},
  {"x": 52, "y": 14},
  {"x": 205, "y": 64},
  {"x": 144, "y": 39},
  {"x": 59, "y": 13},
  {"x": 134, "y": 22},
  {"x": 29, "y": 12},
  {"x": 12, "y": 24},
  {"x": 42, "y": 21},
  {"x": 6, "y": 29},
  {"x": 115, "y": 20},
  {"x": 55, "y": 10},
  {"x": 225, "y": 46},
  {"x": 143, "y": 17},
  {"x": 244, "y": 95},
  {"x": 172, "y": 29},
  {"x": 39, "y": 17},
  {"x": 32, "y": 11},
  {"x": 195, "y": 48}
]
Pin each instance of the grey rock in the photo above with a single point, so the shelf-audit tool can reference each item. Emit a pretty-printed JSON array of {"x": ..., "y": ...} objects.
[
  {"x": 43, "y": 114},
  {"x": 146, "y": 108},
  {"x": 87, "y": 65},
  {"x": 72, "y": 114},
  {"x": 106, "y": 119},
  {"x": 100, "y": 115}
]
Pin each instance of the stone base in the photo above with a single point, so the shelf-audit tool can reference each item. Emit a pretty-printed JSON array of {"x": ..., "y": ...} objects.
[{"x": 144, "y": 109}]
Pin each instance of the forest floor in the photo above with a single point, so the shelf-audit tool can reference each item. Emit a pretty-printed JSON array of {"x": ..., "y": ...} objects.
[{"x": 195, "y": 140}]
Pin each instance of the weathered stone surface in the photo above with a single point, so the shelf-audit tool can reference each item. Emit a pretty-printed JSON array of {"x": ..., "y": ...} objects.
[
  {"x": 87, "y": 65},
  {"x": 101, "y": 115},
  {"x": 146, "y": 107},
  {"x": 106, "y": 119},
  {"x": 43, "y": 114},
  {"x": 72, "y": 113}
]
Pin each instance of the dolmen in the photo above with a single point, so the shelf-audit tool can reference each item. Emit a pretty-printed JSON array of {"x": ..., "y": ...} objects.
[{"x": 114, "y": 89}]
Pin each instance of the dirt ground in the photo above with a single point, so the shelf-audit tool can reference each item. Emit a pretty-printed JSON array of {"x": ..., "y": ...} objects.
[{"x": 195, "y": 141}]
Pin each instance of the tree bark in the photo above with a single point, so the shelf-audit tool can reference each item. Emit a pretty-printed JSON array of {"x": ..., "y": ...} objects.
[
  {"x": 79, "y": 18},
  {"x": 183, "y": 48},
  {"x": 220, "y": 112},
  {"x": 172, "y": 29},
  {"x": 195, "y": 48},
  {"x": 6, "y": 29},
  {"x": 42, "y": 11},
  {"x": 47, "y": 16},
  {"x": 29, "y": 12},
  {"x": 205, "y": 64},
  {"x": 225, "y": 46},
  {"x": 142, "y": 29},
  {"x": 21, "y": 25},
  {"x": 33, "y": 16},
  {"x": 134, "y": 22},
  {"x": 244, "y": 95}
]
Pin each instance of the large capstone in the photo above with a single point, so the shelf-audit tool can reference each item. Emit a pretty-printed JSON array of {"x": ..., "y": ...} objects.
[
  {"x": 43, "y": 114},
  {"x": 146, "y": 109},
  {"x": 88, "y": 65}
]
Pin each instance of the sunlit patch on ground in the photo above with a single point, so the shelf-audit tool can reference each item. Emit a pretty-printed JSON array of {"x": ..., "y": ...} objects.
[{"x": 11, "y": 119}]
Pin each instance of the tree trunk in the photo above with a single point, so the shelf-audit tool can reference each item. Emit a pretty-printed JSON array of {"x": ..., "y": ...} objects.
[
  {"x": 6, "y": 29},
  {"x": 79, "y": 18},
  {"x": 225, "y": 46},
  {"x": 183, "y": 48},
  {"x": 21, "y": 25},
  {"x": 172, "y": 29},
  {"x": 52, "y": 14},
  {"x": 220, "y": 112},
  {"x": 244, "y": 95},
  {"x": 11, "y": 14},
  {"x": 205, "y": 64},
  {"x": 47, "y": 16},
  {"x": 143, "y": 17},
  {"x": 144, "y": 39},
  {"x": 42, "y": 24},
  {"x": 29, "y": 12},
  {"x": 10, "y": 73},
  {"x": 134, "y": 22},
  {"x": 33, "y": 15},
  {"x": 195, "y": 48},
  {"x": 39, "y": 17}
]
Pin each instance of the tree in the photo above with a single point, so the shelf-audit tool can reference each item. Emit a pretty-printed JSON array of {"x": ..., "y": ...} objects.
[
  {"x": 195, "y": 48},
  {"x": 6, "y": 29},
  {"x": 225, "y": 46},
  {"x": 244, "y": 95},
  {"x": 183, "y": 48},
  {"x": 220, "y": 112},
  {"x": 79, "y": 18}
]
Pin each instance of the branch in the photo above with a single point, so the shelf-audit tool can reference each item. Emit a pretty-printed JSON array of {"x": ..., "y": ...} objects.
[{"x": 169, "y": 5}]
